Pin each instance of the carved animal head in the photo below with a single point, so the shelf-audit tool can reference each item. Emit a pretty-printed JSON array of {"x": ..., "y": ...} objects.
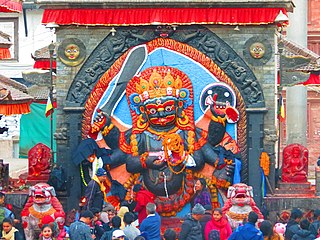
[
  {"x": 240, "y": 194},
  {"x": 42, "y": 193}
]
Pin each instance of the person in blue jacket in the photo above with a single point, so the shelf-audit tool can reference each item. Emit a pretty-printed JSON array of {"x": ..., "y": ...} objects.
[
  {"x": 248, "y": 231},
  {"x": 151, "y": 225}
]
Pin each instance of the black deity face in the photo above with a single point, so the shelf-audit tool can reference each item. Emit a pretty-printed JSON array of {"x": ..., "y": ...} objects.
[{"x": 161, "y": 112}]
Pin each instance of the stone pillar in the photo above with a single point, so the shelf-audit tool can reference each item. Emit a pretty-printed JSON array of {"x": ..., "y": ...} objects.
[
  {"x": 255, "y": 147},
  {"x": 317, "y": 170},
  {"x": 68, "y": 142},
  {"x": 296, "y": 115},
  {"x": 297, "y": 30}
]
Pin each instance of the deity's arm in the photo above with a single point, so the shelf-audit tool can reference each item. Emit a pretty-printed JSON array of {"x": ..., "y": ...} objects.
[
  {"x": 210, "y": 156},
  {"x": 136, "y": 164},
  {"x": 141, "y": 156},
  {"x": 110, "y": 132},
  {"x": 117, "y": 158},
  {"x": 223, "y": 161},
  {"x": 111, "y": 135}
]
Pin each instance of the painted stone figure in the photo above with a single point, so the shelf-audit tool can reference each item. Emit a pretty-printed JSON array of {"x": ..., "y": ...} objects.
[
  {"x": 164, "y": 146},
  {"x": 295, "y": 163},
  {"x": 239, "y": 204},
  {"x": 72, "y": 52},
  {"x": 42, "y": 202},
  {"x": 257, "y": 50},
  {"x": 39, "y": 162}
]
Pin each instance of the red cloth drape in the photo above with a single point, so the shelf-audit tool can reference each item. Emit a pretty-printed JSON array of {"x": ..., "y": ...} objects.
[
  {"x": 44, "y": 64},
  {"x": 5, "y": 53},
  {"x": 147, "y": 16},
  {"x": 10, "y": 6},
  {"x": 313, "y": 79},
  {"x": 18, "y": 108}
]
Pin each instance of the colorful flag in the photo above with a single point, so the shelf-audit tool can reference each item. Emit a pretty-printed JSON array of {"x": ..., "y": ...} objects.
[
  {"x": 50, "y": 107},
  {"x": 281, "y": 111}
]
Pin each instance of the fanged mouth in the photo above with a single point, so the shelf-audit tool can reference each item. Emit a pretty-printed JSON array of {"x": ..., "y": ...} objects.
[{"x": 39, "y": 198}]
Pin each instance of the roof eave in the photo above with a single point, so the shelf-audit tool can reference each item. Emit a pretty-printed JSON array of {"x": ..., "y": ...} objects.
[{"x": 61, "y": 4}]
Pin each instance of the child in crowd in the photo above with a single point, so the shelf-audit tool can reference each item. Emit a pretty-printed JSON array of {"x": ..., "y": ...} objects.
[
  {"x": 9, "y": 232},
  {"x": 46, "y": 233}
]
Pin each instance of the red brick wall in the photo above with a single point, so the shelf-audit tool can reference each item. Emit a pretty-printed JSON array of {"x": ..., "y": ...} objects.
[
  {"x": 313, "y": 129},
  {"x": 314, "y": 25}
]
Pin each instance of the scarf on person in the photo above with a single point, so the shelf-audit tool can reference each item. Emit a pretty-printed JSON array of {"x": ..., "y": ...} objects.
[
  {"x": 220, "y": 224},
  {"x": 10, "y": 234},
  {"x": 102, "y": 187}
]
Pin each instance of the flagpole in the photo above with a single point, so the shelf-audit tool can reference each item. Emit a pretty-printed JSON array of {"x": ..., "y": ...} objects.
[
  {"x": 280, "y": 50},
  {"x": 51, "y": 50}
]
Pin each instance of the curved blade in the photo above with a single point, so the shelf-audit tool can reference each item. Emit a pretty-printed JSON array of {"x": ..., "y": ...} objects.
[{"x": 134, "y": 61}]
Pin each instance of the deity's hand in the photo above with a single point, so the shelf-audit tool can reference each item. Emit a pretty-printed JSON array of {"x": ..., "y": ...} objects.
[
  {"x": 155, "y": 163},
  {"x": 99, "y": 124},
  {"x": 232, "y": 114},
  {"x": 224, "y": 175}
]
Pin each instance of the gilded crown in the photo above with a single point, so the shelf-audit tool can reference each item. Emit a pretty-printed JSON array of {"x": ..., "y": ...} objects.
[{"x": 158, "y": 86}]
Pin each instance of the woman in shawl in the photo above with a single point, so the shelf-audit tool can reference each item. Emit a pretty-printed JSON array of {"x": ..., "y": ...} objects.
[
  {"x": 202, "y": 195},
  {"x": 219, "y": 223}
]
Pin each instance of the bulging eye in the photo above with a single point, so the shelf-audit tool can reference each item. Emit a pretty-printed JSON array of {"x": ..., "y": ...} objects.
[
  {"x": 168, "y": 108},
  {"x": 153, "y": 111}
]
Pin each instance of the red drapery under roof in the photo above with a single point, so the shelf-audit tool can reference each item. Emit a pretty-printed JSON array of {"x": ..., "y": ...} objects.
[
  {"x": 158, "y": 16},
  {"x": 44, "y": 64},
  {"x": 313, "y": 79},
  {"x": 10, "y": 6}
]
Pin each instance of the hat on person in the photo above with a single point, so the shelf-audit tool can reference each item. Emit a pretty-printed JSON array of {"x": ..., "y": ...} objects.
[
  {"x": 104, "y": 217},
  {"x": 101, "y": 172},
  {"x": 117, "y": 234},
  {"x": 198, "y": 209},
  {"x": 207, "y": 207}
]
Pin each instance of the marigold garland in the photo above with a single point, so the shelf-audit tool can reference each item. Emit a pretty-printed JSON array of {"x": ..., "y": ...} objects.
[
  {"x": 265, "y": 163},
  {"x": 40, "y": 215}
]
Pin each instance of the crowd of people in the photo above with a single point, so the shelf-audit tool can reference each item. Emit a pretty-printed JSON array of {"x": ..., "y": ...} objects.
[{"x": 139, "y": 220}]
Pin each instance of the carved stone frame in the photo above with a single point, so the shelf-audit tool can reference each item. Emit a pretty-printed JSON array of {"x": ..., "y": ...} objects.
[{"x": 199, "y": 37}]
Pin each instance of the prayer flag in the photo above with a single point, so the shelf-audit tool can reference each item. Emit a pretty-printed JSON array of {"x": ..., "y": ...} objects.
[
  {"x": 50, "y": 107},
  {"x": 281, "y": 112}
]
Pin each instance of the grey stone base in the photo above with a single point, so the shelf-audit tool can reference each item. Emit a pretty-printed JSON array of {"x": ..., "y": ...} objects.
[
  {"x": 294, "y": 189},
  {"x": 275, "y": 204}
]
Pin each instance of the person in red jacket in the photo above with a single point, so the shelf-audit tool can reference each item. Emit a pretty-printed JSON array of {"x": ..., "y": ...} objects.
[
  {"x": 143, "y": 197},
  {"x": 219, "y": 223}
]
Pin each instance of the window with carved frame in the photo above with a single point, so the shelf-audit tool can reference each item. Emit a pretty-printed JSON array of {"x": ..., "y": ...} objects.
[{"x": 9, "y": 47}]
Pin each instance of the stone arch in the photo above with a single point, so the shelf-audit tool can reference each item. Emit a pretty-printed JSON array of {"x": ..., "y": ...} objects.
[{"x": 199, "y": 37}]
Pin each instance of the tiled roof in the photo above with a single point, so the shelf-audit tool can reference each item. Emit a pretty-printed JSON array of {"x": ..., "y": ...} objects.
[
  {"x": 5, "y": 38},
  {"x": 39, "y": 92},
  {"x": 293, "y": 50},
  {"x": 43, "y": 53},
  {"x": 40, "y": 80},
  {"x": 17, "y": 91}
]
